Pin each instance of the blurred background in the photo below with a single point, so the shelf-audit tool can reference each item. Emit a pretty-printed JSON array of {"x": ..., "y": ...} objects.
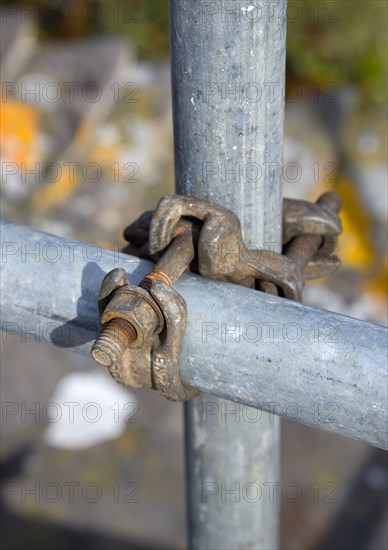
[{"x": 86, "y": 146}]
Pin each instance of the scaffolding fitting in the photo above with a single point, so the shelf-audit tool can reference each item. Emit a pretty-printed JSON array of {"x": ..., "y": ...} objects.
[
  {"x": 309, "y": 239},
  {"x": 143, "y": 326}
]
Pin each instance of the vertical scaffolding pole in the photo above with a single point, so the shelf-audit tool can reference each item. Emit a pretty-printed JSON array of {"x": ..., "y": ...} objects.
[{"x": 228, "y": 67}]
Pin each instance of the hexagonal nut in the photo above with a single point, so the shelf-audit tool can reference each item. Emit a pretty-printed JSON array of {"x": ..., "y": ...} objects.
[{"x": 135, "y": 305}]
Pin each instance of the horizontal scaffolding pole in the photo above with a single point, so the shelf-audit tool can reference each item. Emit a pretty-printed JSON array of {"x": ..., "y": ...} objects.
[{"x": 307, "y": 365}]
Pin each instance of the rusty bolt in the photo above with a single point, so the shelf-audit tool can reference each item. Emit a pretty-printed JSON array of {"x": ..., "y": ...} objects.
[
  {"x": 109, "y": 347},
  {"x": 129, "y": 314},
  {"x": 304, "y": 247},
  {"x": 128, "y": 319}
]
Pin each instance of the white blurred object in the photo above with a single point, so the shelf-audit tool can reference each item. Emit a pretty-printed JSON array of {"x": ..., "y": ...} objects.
[{"x": 87, "y": 409}]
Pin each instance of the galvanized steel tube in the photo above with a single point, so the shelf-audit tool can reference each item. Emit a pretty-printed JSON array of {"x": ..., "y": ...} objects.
[
  {"x": 228, "y": 69},
  {"x": 319, "y": 368}
]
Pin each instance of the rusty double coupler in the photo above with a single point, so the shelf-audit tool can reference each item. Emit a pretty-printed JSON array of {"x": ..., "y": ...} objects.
[
  {"x": 143, "y": 326},
  {"x": 310, "y": 232}
]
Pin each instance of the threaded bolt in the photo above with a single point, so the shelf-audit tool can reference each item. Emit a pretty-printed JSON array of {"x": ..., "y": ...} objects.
[
  {"x": 117, "y": 335},
  {"x": 332, "y": 200}
]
